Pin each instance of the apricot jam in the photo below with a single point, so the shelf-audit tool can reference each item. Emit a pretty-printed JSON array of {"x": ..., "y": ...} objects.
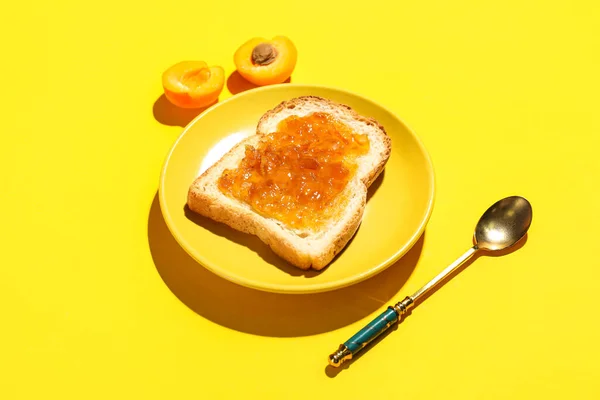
[{"x": 296, "y": 173}]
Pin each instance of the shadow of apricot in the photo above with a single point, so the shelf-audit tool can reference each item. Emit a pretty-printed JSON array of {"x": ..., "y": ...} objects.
[
  {"x": 332, "y": 372},
  {"x": 237, "y": 84},
  {"x": 269, "y": 314},
  {"x": 168, "y": 113}
]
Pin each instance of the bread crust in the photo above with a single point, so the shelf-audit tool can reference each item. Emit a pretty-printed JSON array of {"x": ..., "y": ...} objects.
[{"x": 299, "y": 249}]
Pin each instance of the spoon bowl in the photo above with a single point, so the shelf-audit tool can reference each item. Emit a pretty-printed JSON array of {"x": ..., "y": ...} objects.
[{"x": 503, "y": 224}]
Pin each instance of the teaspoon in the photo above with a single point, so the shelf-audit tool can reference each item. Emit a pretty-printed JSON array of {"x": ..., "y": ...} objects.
[{"x": 499, "y": 228}]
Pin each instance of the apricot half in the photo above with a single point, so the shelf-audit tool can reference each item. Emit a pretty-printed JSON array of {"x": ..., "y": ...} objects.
[
  {"x": 193, "y": 84},
  {"x": 266, "y": 62}
]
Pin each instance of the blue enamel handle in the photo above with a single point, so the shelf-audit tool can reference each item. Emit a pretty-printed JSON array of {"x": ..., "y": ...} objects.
[{"x": 370, "y": 332}]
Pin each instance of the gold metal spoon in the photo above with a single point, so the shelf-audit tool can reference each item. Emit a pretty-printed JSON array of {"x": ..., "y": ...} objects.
[{"x": 499, "y": 228}]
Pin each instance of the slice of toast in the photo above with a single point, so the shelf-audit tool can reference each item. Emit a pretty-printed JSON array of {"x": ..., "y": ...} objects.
[{"x": 303, "y": 249}]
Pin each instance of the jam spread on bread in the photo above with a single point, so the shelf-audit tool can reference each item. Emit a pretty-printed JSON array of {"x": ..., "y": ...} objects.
[{"x": 295, "y": 174}]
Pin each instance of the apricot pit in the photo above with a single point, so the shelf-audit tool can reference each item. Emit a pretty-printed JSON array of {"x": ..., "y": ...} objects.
[{"x": 266, "y": 62}]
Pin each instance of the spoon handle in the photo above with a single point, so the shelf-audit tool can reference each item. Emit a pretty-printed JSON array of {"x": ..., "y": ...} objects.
[
  {"x": 370, "y": 332},
  {"x": 390, "y": 316},
  {"x": 447, "y": 271}
]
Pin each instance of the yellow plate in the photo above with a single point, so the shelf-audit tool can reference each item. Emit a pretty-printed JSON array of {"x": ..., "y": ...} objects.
[{"x": 399, "y": 205}]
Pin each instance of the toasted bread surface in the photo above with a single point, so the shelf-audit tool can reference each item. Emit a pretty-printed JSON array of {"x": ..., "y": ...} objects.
[{"x": 301, "y": 248}]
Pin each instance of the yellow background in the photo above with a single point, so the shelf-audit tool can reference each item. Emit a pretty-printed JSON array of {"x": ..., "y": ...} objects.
[{"x": 505, "y": 96}]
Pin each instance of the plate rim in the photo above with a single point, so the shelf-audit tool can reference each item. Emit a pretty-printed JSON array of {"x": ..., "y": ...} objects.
[{"x": 297, "y": 289}]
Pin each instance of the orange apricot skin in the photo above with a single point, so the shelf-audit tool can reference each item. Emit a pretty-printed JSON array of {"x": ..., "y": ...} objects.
[
  {"x": 193, "y": 84},
  {"x": 276, "y": 72}
]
